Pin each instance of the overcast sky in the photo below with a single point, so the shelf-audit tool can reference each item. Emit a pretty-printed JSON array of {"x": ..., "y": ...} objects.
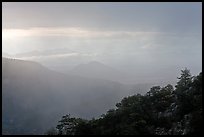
[{"x": 131, "y": 36}]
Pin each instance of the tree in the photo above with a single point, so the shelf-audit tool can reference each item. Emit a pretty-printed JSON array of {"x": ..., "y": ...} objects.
[
  {"x": 183, "y": 93},
  {"x": 67, "y": 125},
  {"x": 184, "y": 80},
  {"x": 161, "y": 111}
]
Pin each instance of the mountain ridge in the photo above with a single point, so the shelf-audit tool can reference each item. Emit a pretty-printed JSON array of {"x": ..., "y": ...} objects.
[
  {"x": 95, "y": 69},
  {"x": 29, "y": 87}
]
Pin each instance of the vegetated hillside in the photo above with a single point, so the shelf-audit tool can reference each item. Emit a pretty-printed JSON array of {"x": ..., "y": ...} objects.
[
  {"x": 161, "y": 111},
  {"x": 34, "y": 97}
]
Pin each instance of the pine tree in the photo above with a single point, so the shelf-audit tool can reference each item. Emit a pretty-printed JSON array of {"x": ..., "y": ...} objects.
[{"x": 184, "y": 80}]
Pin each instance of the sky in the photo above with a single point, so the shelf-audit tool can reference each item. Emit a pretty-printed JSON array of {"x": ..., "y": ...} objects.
[{"x": 146, "y": 39}]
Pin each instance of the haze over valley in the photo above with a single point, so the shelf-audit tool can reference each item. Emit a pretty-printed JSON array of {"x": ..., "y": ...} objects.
[{"x": 83, "y": 58}]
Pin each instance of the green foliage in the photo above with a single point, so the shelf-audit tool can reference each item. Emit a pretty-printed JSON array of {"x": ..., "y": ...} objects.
[
  {"x": 184, "y": 80},
  {"x": 161, "y": 111}
]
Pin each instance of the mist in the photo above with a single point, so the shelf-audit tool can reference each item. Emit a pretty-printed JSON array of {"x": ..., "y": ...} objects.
[
  {"x": 94, "y": 32},
  {"x": 83, "y": 58}
]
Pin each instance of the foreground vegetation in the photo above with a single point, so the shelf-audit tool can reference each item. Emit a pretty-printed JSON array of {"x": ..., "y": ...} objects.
[{"x": 161, "y": 111}]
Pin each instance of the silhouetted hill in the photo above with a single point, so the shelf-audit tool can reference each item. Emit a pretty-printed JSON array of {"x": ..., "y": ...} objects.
[{"x": 31, "y": 92}]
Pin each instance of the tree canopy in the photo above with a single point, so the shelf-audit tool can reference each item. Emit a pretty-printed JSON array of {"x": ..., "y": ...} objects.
[{"x": 161, "y": 111}]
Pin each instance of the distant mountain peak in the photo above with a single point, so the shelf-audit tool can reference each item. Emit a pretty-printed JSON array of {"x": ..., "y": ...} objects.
[
  {"x": 94, "y": 66},
  {"x": 95, "y": 69}
]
